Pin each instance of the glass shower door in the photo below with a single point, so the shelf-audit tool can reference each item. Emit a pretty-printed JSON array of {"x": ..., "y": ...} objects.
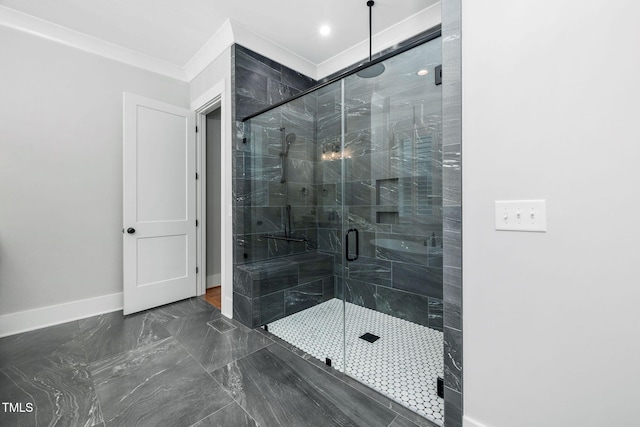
[
  {"x": 340, "y": 226},
  {"x": 392, "y": 229}
]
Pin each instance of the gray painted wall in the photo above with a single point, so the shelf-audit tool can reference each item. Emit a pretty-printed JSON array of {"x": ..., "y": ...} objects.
[
  {"x": 551, "y": 319},
  {"x": 61, "y": 169}
]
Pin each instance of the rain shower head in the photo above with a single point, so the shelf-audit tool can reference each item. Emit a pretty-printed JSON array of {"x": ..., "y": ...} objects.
[
  {"x": 373, "y": 71},
  {"x": 376, "y": 69}
]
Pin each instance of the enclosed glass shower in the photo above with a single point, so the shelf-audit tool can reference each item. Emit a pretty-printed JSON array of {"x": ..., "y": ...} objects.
[{"x": 339, "y": 226}]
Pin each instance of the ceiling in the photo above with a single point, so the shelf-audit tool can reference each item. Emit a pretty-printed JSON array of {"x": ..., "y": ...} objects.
[{"x": 174, "y": 31}]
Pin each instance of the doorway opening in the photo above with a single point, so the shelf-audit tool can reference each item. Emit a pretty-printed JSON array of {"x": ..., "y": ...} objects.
[
  {"x": 213, "y": 195},
  {"x": 212, "y": 201}
]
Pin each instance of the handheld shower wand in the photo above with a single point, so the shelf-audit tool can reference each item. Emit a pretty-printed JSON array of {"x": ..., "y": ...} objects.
[{"x": 286, "y": 144}]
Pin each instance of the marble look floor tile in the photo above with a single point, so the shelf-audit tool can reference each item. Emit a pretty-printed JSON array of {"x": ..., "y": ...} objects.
[
  {"x": 59, "y": 387},
  {"x": 157, "y": 384},
  {"x": 231, "y": 415},
  {"x": 401, "y": 410},
  {"x": 113, "y": 333},
  {"x": 211, "y": 348},
  {"x": 40, "y": 343},
  {"x": 402, "y": 422},
  {"x": 182, "y": 308},
  {"x": 278, "y": 388}
]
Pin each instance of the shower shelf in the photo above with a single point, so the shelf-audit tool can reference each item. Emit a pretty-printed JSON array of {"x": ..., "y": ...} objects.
[{"x": 288, "y": 239}]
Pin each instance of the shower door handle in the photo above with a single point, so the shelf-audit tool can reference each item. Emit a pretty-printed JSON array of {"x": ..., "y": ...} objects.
[{"x": 357, "y": 244}]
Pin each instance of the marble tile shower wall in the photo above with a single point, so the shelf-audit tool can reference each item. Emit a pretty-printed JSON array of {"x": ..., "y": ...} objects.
[
  {"x": 452, "y": 195},
  {"x": 392, "y": 188},
  {"x": 263, "y": 204},
  {"x": 261, "y": 198},
  {"x": 392, "y": 193}
]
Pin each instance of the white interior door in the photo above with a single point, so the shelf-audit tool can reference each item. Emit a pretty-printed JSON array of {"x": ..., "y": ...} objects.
[{"x": 159, "y": 207}]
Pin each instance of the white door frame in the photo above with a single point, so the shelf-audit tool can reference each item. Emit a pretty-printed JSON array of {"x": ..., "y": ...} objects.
[{"x": 214, "y": 98}]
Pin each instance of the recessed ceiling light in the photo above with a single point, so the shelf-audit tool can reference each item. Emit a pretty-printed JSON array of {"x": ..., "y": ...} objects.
[
  {"x": 325, "y": 30},
  {"x": 423, "y": 72}
]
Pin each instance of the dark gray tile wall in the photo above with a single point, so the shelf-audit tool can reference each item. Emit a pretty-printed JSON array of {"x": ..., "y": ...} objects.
[
  {"x": 260, "y": 198},
  {"x": 452, "y": 205},
  {"x": 271, "y": 289}
]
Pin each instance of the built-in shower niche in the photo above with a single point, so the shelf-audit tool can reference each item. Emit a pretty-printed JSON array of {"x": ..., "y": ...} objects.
[
  {"x": 387, "y": 201},
  {"x": 281, "y": 287},
  {"x": 383, "y": 217}
]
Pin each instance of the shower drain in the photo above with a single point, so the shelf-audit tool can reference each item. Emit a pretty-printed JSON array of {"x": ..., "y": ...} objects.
[{"x": 370, "y": 337}]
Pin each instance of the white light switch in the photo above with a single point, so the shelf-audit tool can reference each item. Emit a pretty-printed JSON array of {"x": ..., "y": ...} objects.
[{"x": 521, "y": 215}]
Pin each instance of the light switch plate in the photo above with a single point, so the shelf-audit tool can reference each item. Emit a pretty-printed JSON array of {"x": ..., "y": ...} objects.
[{"x": 521, "y": 215}]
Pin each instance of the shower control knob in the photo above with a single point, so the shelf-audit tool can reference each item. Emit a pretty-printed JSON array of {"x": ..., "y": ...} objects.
[{"x": 131, "y": 230}]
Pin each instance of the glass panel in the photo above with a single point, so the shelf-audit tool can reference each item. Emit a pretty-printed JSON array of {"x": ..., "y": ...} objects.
[
  {"x": 339, "y": 234},
  {"x": 392, "y": 161},
  {"x": 290, "y": 242}
]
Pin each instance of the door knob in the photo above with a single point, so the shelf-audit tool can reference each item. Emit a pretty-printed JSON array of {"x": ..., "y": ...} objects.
[{"x": 131, "y": 230}]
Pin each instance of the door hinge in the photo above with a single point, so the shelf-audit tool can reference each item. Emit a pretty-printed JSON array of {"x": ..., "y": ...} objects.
[
  {"x": 197, "y": 176},
  {"x": 438, "y": 76},
  {"x": 197, "y": 270},
  {"x": 196, "y": 222},
  {"x": 196, "y": 129}
]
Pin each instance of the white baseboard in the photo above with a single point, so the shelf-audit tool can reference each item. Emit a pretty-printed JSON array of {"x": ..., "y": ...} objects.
[
  {"x": 470, "y": 422},
  {"x": 24, "y": 321},
  {"x": 214, "y": 280}
]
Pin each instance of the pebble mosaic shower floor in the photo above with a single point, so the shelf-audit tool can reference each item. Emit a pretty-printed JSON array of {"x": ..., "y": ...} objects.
[{"x": 403, "y": 364}]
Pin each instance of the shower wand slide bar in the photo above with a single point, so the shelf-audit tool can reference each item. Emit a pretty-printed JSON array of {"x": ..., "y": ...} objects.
[{"x": 288, "y": 239}]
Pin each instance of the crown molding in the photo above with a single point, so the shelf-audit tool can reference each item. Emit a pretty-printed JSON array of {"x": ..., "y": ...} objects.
[
  {"x": 231, "y": 32},
  {"x": 389, "y": 37},
  {"x": 212, "y": 49},
  {"x": 57, "y": 33}
]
